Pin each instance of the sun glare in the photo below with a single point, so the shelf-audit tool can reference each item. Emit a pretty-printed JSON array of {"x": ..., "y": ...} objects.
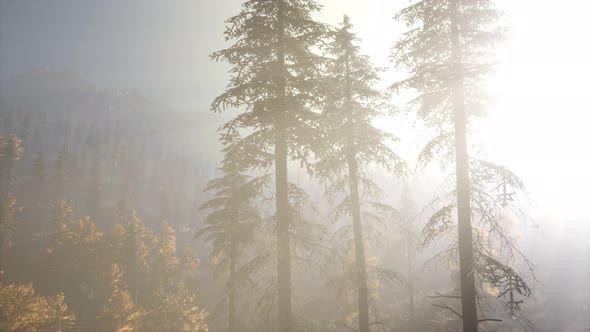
[
  {"x": 537, "y": 124},
  {"x": 536, "y": 127}
]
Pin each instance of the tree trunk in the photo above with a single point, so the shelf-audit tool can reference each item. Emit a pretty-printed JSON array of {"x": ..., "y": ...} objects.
[
  {"x": 466, "y": 263},
  {"x": 282, "y": 191},
  {"x": 232, "y": 327},
  {"x": 361, "y": 267},
  {"x": 410, "y": 277},
  {"x": 233, "y": 253}
]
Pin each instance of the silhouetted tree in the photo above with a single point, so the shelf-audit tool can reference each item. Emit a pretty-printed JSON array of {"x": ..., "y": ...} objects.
[
  {"x": 231, "y": 222},
  {"x": 449, "y": 53},
  {"x": 352, "y": 143},
  {"x": 274, "y": 78}
]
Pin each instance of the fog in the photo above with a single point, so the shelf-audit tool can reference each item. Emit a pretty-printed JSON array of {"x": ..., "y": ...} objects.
[{"x": 144, "y": 188}]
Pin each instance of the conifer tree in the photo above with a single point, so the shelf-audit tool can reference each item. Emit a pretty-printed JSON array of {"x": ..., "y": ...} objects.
[
  {"x": 274, "y": 77},
  {"x": 231, "y": 222},
  {"x": 352, "y": 144},
  {"x": 449, "y": 52}
]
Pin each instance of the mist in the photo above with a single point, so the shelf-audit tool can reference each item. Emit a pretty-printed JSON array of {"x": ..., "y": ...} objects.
[{"x": 294, "y": 166}]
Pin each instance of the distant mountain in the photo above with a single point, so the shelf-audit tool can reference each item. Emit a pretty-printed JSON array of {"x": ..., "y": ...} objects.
[
  {"x": 46, "y": 98},
  {"x": 46, "y": 90}
]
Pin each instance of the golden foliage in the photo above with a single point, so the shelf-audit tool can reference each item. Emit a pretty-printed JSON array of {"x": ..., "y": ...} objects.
[{"x": 23, "y": 310}]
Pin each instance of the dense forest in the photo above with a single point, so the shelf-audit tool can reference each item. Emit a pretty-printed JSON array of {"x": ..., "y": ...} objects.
[{"x": 286, "y": 207}]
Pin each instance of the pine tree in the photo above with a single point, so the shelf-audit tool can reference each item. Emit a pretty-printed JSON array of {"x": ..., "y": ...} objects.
[
  {"x": 275, "y": 79},
  {"x": 352, "y": 144},
  {"x": 449, "y": 53},
  {"x": 231, "y": 223}
]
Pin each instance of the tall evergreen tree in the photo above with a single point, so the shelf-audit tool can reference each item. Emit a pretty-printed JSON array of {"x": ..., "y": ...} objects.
[
  {"x": 275, "y": 79},
  {"x": 231, "y": 222},
  {"x": 352, "y": 143},
  {"x": 449, "y": 53}
]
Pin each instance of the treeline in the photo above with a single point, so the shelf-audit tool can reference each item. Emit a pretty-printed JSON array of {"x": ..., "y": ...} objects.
[{"x": 100, "y": 170}]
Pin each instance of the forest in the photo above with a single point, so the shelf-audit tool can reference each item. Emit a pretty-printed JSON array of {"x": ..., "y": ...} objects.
[{"x": 318, "y": 191}]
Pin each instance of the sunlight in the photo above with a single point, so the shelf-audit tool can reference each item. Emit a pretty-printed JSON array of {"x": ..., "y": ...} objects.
[{"x": 523, "y": 131}]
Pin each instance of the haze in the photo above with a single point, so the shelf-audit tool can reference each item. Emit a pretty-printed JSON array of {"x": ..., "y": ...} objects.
[{"x": 148, "y": 62}]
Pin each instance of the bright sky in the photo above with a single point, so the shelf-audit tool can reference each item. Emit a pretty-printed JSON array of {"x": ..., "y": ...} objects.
[{"x": 539, "y": 125}]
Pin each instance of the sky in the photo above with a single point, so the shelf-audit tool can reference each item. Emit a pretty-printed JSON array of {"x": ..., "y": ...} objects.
[{"x": 161, "y": 48}]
